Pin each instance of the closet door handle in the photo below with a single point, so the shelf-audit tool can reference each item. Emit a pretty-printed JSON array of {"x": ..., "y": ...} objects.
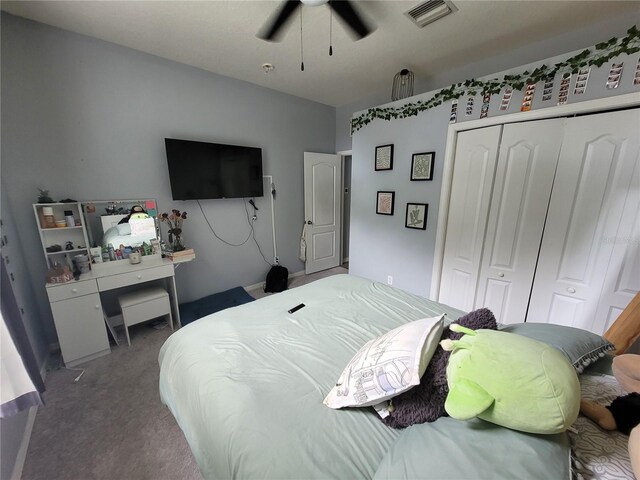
[
  {"x": 97, "y": 307},
  {"x": 501, "y": 274},
  {"x": 571, "y": 290},
  {"x": 139, "y": 277},
  {"x": 74, "y": 290}
]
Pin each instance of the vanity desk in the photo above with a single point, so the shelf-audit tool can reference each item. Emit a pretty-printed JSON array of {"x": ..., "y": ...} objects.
[{"x": 77, "y": 305}]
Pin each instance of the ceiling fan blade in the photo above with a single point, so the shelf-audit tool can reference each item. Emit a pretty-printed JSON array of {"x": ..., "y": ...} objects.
[
  {"x": 272, "y": 29},
  {"x": 345, "y": 10}
]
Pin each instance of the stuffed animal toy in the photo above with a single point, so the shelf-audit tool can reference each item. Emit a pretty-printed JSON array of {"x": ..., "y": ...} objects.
[
  {"x": 510, "y": 380},
  {"x": 136, "y": 212}
]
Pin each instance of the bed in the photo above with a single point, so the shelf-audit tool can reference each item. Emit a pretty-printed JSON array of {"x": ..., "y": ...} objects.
[{"x": 247, "y": 384}]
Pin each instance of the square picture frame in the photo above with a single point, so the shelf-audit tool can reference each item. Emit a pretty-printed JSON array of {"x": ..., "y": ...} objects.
[
  {"x": 385, "y": 203},
  {"x": 422, "y": 166},
  {"x": 384, "y": 157},
  {"x": 416, "y": 216}
]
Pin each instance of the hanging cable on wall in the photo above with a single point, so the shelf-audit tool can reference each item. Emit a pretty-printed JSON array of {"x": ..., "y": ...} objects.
[
  {"x": 253, "y": 230},
  {"x": 301, "y": 46},
  {"x": 251, "y": 234},
  {"x": 330, "y": 29}
]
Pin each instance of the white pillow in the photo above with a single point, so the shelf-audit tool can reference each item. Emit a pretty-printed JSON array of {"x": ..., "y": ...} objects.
[
  {"x": 143, "y": 227},
  {"x": 388, "y": 365}
]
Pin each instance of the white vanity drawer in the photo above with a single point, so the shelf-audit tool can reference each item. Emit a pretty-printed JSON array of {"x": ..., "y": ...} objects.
[
  {"x": 131, "y": 278},
  {"x": 71, "y": 290}
]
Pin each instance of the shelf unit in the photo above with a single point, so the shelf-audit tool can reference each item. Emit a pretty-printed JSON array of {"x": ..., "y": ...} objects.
[{"x": 50, "y": 236}]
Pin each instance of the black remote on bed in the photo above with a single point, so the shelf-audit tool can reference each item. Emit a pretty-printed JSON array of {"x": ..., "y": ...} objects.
[{"x": 296, "y": 308}]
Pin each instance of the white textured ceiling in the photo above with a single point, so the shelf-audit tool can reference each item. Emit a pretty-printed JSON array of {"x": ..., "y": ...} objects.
[{"x": 219, "y": 36}]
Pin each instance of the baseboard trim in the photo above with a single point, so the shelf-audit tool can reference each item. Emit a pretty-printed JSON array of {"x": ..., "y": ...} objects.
[{"x": 261, "y": 284}]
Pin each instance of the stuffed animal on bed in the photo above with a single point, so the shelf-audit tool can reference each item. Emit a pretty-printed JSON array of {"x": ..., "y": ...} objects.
[{"x": 510, "y": 380}]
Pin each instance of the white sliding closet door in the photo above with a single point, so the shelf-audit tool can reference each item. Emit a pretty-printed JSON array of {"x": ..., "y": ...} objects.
[
  {"x": 524, "y": 177},
  {"x": 473, "y": 174},
  {"x": 589, "y": 267}
]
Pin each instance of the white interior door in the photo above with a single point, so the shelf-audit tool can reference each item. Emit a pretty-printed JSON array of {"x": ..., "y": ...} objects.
[
  {"x": 588, "y": 269},
  {"x": 322, "y": 196},
  {"x": 473, "y": 175},
  {"x": 522, "y": 187}
]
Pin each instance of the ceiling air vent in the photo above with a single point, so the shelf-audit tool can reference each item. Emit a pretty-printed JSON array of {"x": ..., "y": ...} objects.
[{"x": 430, "y": 11}]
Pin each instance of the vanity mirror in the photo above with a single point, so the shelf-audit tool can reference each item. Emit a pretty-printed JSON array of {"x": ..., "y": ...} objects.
[{"x": 115, "y": 228}]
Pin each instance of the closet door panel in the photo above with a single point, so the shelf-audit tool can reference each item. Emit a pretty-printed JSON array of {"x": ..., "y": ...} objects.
[
  {"x": 524, "y": 178},
  {"x": 474, "y": 171},
  {"x": 588, "y": 265},
  {"x": 622, "y": 280}
]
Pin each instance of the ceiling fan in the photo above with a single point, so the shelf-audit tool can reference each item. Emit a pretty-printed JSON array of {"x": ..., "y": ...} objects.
[{"x": 272, "y": 29}]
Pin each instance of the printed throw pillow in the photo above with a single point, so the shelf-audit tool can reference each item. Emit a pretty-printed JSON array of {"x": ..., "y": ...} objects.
[{"x": 388, "y": 365}]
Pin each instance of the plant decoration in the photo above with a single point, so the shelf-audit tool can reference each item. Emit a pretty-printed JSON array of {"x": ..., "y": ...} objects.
[
  {"x": 43, "y": 196},
  {"x": 174, "y": 219},
  {"x": 602, "y": 53}
]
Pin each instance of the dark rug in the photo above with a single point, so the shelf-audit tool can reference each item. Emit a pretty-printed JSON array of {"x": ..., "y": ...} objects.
[{"x": 191, "y": 311}]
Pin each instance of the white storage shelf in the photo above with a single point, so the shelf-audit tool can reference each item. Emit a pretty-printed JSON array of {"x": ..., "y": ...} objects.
[{"x": 50, "y": 236}]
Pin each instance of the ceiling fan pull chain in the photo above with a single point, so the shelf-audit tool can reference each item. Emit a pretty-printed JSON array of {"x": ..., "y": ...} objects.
[
  {"x": 330, "y": 29},
  {"x": 301, "y": 46}
]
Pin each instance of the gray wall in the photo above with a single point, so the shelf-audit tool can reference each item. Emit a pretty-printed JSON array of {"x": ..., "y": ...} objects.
[
  {"x": 346, "y": 202},
  {"x": 381, "y": 245},
  {"x": 87, "y": 119}
]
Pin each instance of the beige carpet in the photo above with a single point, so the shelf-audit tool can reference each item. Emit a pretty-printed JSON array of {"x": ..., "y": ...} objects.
[{"x": 111, "y": 423}]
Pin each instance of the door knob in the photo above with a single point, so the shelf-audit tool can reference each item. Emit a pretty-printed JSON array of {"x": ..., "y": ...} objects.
[
  {"x": 571, "y": 290},
  {"x": 309, "y": 222},
  {"x": 501, "y": 274}
]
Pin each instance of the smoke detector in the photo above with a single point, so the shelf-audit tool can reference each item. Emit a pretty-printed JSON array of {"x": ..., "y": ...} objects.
[{"x": 430, "y": 11}]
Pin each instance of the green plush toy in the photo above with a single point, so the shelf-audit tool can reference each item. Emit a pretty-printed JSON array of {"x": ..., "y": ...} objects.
[{"x": 510, "y": 380}]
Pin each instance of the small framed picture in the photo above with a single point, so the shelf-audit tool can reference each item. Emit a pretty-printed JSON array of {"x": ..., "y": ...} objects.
[
  {"x": 384, "y": 157},
  {"x": 422, "y": 166},
  {"x": 385, "y": 203},
  {"x": 416, "y": 216}
]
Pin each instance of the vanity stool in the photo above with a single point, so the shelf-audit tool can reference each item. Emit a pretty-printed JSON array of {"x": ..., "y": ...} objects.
[{"x": 144, "y": 305}]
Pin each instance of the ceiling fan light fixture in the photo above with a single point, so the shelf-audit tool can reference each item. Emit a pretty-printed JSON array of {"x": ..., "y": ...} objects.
[
  {"x": 314, "y": 3},
  {"x": 271, "y": 31}
]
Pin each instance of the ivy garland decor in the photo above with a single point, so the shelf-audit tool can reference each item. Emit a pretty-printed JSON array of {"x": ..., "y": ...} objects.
[{"x": 602, "y": 53}]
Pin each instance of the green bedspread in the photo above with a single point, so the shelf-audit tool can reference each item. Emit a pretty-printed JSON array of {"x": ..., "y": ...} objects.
[{"x": 246, "y": 386}]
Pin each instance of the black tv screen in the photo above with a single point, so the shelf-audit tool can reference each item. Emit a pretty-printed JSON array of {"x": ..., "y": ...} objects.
[{"x": 200, "y": 170}]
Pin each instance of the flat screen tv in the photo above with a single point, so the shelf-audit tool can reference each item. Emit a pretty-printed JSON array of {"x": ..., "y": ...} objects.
[{"x": 200, "y": 170}]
